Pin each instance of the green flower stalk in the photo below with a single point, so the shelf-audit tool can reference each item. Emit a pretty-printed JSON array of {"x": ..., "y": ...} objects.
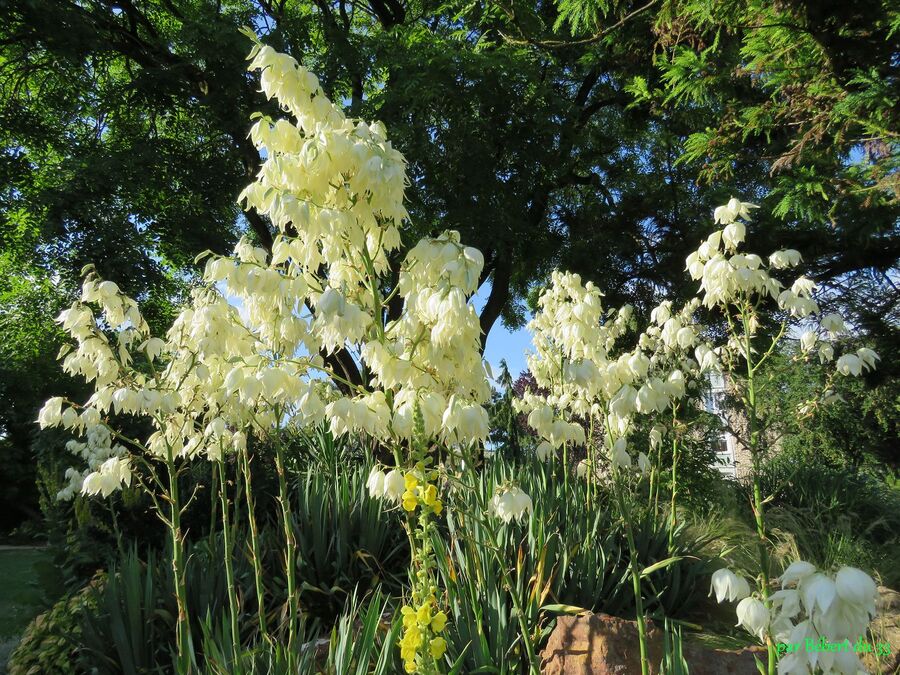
[
  {"x": 227, "y": 533},
  {"x": 290, "y": 549},
  {"x": 255, "y": 557},
  {"x": 673, "y": 505},
  {"x": 183, "y": 641}
]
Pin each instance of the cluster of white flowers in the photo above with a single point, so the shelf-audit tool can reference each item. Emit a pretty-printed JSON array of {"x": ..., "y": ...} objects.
[
  {"x": 108, "y": 466},
  {"x": 579, "y": 361},
  {"x": 246, "y": 354},
  {"x": 728, "y": 277},
  {"x": 389, "y": 486},
  {"x": 510, "y": 503},
  {"x": 811, "y": 606}
]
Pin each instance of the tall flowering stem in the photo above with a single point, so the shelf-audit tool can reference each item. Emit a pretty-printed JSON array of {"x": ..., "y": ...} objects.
[
  {"x": 673, "y": 505},
  {"x": 635, "y": 569},
  {"x": 510, "y": 503},
  {"x": 183, "y": 641},
  {"x": 421, "y": 646},
  {"x": 740, "y": 286},
  {"x": 756, "y": 456},
  {"x": 255, "y": 554},
  {"x": 229, "y": 554},
  {"x": 575, "y": 342},
  {"x": 290, "y": 548}
]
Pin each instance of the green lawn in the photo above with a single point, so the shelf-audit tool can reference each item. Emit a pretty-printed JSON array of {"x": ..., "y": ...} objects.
[{"x": 26, "y": 590}]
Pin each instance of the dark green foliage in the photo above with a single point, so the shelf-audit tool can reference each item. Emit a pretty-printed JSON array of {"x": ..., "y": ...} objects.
[
  {"x": 569, "y": 554},
  {"x": 347, "y": 546},
  {"x": 85, "y": 533},
  {"x": 129, "y": 626},
  {"x": 346, "y": 543},
  {"x": 51, "y": 641},
  {"x": 673, "y": 662},
  {"x": 128, "y": 633},
  {"x": 809, "y": 93},
  {"x": 362, "y": 642},
  {"x": 768, "y": 67},
  {"x": 836, "y": 514},
  {"x": 508, "y": 438},
  {"x": 29, "y": 375},
  {"x": 134, "y": 627},
  {"x": 860, "y": 429}
]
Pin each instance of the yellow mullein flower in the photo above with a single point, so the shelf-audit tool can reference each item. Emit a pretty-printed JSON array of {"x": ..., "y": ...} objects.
[
  {"x": 430, "y": 497},
  {"x": 437, "y": 647},
  {"x": 437, "y": 508},
  {"x": 410, "y": 481},
  {"x": 424, "y": 614},
  {"x": 438, "y": 622},
  {"x": 409, "y": 666},
  {"x": 410, "y": 643},
  {"x": 410, "y": 502},
  {"x": 409, "y": 616}
]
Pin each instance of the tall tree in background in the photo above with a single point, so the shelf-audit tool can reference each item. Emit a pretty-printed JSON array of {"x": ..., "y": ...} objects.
[
  {"x": 570, "y": 133},
  {"x": 809, "y": 93}
]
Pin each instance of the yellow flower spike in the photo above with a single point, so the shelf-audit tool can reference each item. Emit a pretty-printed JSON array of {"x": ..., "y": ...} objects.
[
  {"x": 410, "y": 481},
  {"x": 438, "y": 622},
  {"x": 437, "y": 647},
  {"x": 424, "y": 614},
  {"x": 410, "y": 503},
  {"x": 410, "y": 666},
  {"x": 437, "y": 508},
  {"x": 430, "y": 497},
  {"x": 413, "y": 636}
]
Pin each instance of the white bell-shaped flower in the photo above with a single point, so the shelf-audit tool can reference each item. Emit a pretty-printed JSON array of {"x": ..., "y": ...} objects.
[
  {"x": 786, "y": 602},
  {"x": 733, "y": 235},
  {"x": 753, "y": 616},
  {"x": 817, "y": 593},
  {"x": 728, "y": 586},
  {"x": 808, "y": 340},
  {"x": 868, "y": 357},
  {"x": 511, "y": 504},
  {"x": 856, "y": 587},
  {"x": 375, "y": 483},
  {"x": 796, "y": 572},
  {"x": 394, "y": 485},
  {"x": 850, "y": 364},
  {"x": 643, "y": 464},
  {"x": 833, "y": 323},
  {"x": 544, "y": 451},
  {"x": 620, "y": 457}
]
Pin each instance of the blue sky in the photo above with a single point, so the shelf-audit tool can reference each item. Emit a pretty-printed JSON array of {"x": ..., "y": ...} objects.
[{"x": 503, "y": 343}]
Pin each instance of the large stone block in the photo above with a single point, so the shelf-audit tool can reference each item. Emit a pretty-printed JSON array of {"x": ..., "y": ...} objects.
[{"x": 598, "y": 644}]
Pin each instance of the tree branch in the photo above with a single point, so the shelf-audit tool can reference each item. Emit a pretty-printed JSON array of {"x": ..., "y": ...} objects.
[{"x": 499, "y": 296}]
